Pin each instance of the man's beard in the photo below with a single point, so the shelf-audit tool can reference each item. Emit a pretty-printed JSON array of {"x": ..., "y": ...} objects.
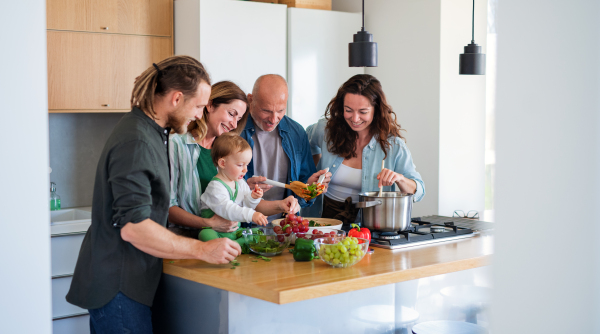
[{"x": 177, "y": 122}]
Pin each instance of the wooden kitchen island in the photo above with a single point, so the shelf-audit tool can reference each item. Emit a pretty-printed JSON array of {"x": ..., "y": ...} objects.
[{"x": 312, "y": 297}]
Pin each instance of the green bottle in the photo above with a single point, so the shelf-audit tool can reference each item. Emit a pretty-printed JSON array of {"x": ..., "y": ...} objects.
[{"x": 54, "y": 198}]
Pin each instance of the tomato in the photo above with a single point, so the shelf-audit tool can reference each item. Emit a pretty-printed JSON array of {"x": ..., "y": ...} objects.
[{"x": 291, "y": 217}]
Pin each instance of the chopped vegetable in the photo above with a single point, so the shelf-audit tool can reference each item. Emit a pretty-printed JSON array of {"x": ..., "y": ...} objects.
[
  {"x": 266, "y": 246},
  {"x": 313, "y": 223},
  {"x": 312, "y": 191}
]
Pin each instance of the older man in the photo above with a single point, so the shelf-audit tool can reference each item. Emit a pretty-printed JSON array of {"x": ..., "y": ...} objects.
[{"x": 280, "y": 147}]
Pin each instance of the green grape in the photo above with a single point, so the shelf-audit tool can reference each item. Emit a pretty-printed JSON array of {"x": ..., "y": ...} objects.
[
  {"x": 326, "y": 257},
  {"x": 328, "y": 250},
  {"x": 336, "y": 261},
  {"x": 337, "y": 255},
  {"x": 342, "y": 248}
]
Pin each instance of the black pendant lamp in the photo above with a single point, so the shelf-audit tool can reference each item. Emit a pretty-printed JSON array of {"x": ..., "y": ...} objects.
[
  {"x": 363, "y": 51},
  {"x": 472, "y": 61}
]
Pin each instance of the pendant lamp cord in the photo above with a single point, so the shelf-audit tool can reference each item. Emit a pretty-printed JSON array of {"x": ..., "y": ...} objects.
[
  {"x": 472, "y": 23},
  {"x": 363, "y": 16}
]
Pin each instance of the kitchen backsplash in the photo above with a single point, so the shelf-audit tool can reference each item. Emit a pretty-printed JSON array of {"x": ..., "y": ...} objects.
[{"x": 76, "y": 142}]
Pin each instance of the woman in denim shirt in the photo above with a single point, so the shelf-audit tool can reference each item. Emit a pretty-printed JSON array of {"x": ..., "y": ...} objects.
[{"x": 358, "y": 132}]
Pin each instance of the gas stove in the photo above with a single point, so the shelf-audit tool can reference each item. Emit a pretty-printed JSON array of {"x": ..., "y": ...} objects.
[{"x": 422, "y": 232}]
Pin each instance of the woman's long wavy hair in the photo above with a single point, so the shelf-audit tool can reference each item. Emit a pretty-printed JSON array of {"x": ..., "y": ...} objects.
[
  {"x": 341, "y": 139},
  {"x": 223, "y": 92}
]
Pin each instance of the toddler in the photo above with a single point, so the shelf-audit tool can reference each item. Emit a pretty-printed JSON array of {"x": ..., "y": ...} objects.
[{"x": 228, "y": 194}]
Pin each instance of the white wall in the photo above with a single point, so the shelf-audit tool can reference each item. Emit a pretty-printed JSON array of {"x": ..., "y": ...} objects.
[
  {"x": 443, "y": 112},
  {"x": 209, "y": 30},
  {"x": 24, "y": 203},
  {"x": 408, "y": 37},
  {"x": 317, "y": 67},
  {"x": 462, "y": 111},
  {"x": 547, "y": 254}
]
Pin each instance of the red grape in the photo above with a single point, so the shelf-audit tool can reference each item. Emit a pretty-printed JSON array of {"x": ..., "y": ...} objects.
[
  {"x": 291, "y": 217},
  {"x": 295, "y": 229}
]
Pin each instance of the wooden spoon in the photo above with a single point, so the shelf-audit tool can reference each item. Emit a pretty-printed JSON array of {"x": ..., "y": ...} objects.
[{"x": 296, "y": 186}]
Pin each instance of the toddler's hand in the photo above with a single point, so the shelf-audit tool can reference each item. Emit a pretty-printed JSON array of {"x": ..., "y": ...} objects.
[
  {"x": 257, "y": 192},
  {"x": 259, "y": 219}
]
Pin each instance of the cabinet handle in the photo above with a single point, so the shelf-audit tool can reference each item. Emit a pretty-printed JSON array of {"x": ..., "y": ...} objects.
[
  {"x": 106, "y": 105},
  {"x": 104, "y": 28}
]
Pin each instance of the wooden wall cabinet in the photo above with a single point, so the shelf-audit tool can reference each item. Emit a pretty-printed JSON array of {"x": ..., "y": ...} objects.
[
  {"x": 138, "y": 17},
  {"x": 91, "y": 69},
  {"x": 95, "y": 72}
]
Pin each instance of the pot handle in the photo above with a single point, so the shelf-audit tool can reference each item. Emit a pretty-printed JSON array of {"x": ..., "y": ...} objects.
[{"x": 368, "y": 204}]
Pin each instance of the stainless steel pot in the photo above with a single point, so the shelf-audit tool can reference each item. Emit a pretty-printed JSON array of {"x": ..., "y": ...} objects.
[{"x": 390, "y": 212}]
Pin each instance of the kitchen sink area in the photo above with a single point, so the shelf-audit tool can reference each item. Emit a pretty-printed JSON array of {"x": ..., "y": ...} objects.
[
  {"x": 69, "y": 216},
  {"x": 69, "y": 221}
]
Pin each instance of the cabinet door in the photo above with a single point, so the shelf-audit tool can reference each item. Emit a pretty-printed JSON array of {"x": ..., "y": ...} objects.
[
  {"x": 79, "y": 71},
  {"x": 60, "y": 306},
  {"x": 141, "y": 17},
  {"x": 82, "y": 15},
  {"x": 65, "y": 251},
  {"x": 132, "y": 55},
  {"x": 145, "y": 17},
  {"x": 74, "y": 325}
]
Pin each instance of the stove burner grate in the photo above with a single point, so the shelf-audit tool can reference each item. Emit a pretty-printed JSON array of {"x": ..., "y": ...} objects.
[{"x": 389, "y": 235}]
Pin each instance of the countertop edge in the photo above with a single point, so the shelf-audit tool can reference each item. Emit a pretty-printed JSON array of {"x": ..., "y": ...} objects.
[
  {"x": 328, "y": 289},
  {"x": 332, "y": 288},
  {"x": 255, "y": 291}
]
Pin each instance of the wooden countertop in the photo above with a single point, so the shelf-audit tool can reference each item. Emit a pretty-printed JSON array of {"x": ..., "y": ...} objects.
[{"x": 283, "y": 280}]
